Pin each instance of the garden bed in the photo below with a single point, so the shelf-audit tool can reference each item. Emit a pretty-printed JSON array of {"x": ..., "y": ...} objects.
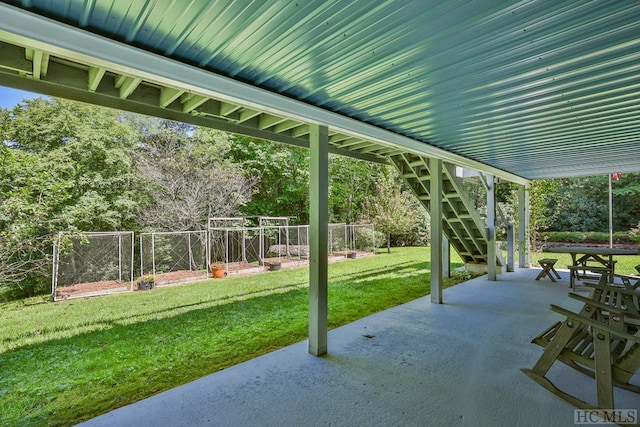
[{"x": 91, "y": 288}]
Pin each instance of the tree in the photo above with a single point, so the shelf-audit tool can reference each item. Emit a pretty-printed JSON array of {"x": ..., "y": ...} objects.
[
  {"x": 65, "y": 166},
  {"x": 391, "y": 209},
  {"x": 283, "y": 174},
  {"x": 189, "y": 178},
  {"x": 544, "y": 206},
  {"x": 351, "y": 182}
]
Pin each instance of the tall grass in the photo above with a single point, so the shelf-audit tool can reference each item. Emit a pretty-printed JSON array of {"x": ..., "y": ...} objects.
[{"x": 65, "y": 362}]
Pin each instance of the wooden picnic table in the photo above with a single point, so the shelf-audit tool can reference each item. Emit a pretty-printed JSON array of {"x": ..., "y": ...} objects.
[{"x": 582, "y": 255}]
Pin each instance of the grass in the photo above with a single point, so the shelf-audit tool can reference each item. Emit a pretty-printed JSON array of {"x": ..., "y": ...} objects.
[{"x": 66, "y": 362}]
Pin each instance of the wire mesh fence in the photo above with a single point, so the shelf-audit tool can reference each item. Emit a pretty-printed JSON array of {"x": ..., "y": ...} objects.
[
  {"x": 103, "y": 262},
  {"x": 235, "y": 248},
  {"x": 338, "y": 243},
  {"x": 285, "y": 244},
  {"x": 361, "y": 238},
  {"x": 92, "y": 263},
  {"x": 174, "y": 256}
]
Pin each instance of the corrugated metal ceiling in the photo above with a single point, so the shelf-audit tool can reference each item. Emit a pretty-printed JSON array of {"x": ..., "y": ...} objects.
[{"x": 535, "y": 88}]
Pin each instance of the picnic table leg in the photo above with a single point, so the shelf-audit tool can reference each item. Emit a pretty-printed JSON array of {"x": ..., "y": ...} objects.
[{"x": 572, "y": 280}]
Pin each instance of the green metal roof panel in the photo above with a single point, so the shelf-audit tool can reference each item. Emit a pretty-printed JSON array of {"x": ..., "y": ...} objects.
[{"x": 540, "y": 89}]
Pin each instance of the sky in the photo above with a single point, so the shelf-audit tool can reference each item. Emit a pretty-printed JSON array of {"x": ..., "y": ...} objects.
[{"x": 10, "y": 97}]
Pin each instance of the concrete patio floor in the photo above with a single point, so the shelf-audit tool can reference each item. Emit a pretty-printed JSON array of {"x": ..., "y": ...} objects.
[{"x": 419, "y": 364}]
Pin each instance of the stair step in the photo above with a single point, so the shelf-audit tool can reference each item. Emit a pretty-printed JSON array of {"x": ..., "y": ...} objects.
[{"x": 459, "y": 224}]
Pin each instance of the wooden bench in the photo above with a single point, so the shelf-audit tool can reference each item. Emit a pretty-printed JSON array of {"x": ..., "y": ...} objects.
[
  {"x": 580, "y": 272},
  {"x": 601, "y": 341},
  {"x": 548, "y": 269},
  {"x": 629, "y": 281}
]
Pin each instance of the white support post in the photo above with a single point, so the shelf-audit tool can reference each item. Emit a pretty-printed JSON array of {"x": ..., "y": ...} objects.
[
  {"x": 226, "y": 249},
  {"x": 244, "y": 244},
  {"x": 298, "y": 231},
  {"x": 141, "y": 258},
  {"x": 373, "y": 238},
  {"x": 287, "y": 237},
  {"x": 261, "y": 243},
  {"x": 207, "y": 249},
  {"x": 153, "y": 253},
  {"x": 435, "y": 189},
  {"x": 511, "y": 252},
  {"x": 346, "y": 245},
  {"x": 190, "y": 252},
  {"x": 318, "y": 225},
  {"x": 120, "y": 258},
  {"x": 54, "y": 273},
  {"x": 491, "y": 228},
  {"x": 446, "y": 257},
  {"x": 132, "y": 261},
  {"x": 523, "y": 227}
]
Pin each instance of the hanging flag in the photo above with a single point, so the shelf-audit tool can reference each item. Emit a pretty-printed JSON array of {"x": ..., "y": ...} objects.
[{"x": 617, "y": 176}]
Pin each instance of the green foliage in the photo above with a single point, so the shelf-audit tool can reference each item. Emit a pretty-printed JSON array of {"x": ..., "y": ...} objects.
[
  {"x": 283, "y": 173},
  {"x": 544, "y": 206},
  {"x": 351, "y": 183},
  {"x": 65, "y": 166},
  {"x": 392, "y": 210},
  {"x": 72, "y": 169},
  {"x": 634, "y": 234},
  {"x": 582, "y": 204},
  {"x": 626, "y": 201},
  {"x": 283, "y": 187},
  {"x": 586, "y": 237},
  {"x": 462, "y": 275}
]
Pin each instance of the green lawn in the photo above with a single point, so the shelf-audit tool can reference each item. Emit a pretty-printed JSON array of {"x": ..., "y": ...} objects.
[{"x": 65, "y": 362}]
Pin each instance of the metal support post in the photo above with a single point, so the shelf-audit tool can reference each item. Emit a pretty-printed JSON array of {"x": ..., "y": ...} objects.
[
  {"x": 511, "y": 253},
  {"x": 319, "y": 218},
  {"x": 523, "y": 227},
  {"x": 435, "y": 168},
  {"x": 491, "y": 228}
]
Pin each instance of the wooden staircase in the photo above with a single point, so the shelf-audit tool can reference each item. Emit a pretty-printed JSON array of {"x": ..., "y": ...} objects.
[{"x": 462, "y": 224}]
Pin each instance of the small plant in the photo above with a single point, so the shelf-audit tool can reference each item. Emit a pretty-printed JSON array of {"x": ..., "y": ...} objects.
[
  {"x": 218, "y": 269},
  {"x": 148, "y": 278},
  {"x": 148, "y": 281},
  {"x": 462, "y": 275}
]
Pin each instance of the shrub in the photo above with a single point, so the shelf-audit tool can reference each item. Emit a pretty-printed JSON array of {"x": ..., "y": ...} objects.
[
  {"x": 590, "y": 237},
  {"x": 634, "y": 234}
]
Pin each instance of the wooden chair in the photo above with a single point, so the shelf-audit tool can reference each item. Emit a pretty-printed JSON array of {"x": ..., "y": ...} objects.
[
  {"x": 629, "y": 281},
  {"x": 601, "y": 341}
]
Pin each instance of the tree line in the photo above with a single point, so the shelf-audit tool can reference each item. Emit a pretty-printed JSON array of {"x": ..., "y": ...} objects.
[{"x": 69, "y": 166}]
